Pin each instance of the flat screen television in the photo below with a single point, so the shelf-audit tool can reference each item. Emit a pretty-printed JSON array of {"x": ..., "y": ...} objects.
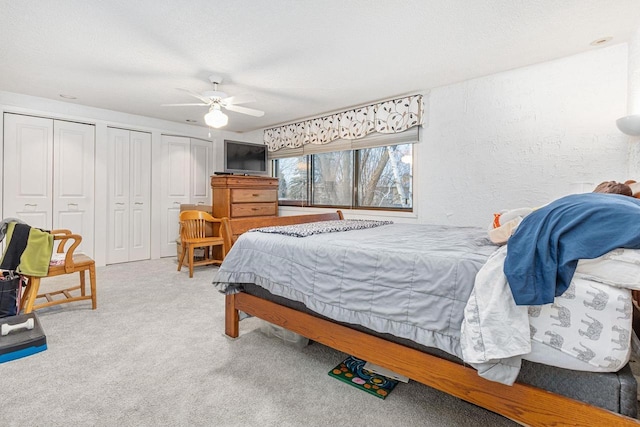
[{"x": 245, "y": 158}]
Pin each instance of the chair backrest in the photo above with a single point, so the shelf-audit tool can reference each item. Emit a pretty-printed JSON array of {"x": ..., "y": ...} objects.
[{"x": 193, "y": 224}]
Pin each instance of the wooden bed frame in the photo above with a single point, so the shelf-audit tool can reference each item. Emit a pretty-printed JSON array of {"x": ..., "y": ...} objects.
[{"x": 522, "y": 403}]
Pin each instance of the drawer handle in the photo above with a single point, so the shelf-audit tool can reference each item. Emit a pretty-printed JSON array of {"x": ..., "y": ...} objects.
[
  {"x": 255, "y": 209},
  {"x": 255, "y": 195}
]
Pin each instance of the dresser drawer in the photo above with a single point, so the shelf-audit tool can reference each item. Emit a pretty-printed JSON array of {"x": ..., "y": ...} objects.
[
  {"x": 253, "y": 209},
  {"x": 243, "y": 195}
]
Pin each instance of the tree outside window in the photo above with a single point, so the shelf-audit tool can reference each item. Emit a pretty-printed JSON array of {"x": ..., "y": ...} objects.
[
  {"x": 385, "y": 176},
  {"x": 292, "y": 185},
  {"x": 372, "y": 178},
  {"x": 332, "y": 178}
]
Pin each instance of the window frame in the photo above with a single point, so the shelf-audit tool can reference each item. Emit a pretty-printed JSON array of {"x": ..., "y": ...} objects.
[{"x": 355, "y": 178}]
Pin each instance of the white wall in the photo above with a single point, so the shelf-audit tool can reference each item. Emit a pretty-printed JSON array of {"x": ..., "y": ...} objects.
[
  {"x": 519, "y": 138},
  {"x": 23, "y": 104},
  {"x": 523, "y": 137}
]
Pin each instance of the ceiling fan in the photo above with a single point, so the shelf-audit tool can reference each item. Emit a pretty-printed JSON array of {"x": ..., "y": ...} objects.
[{"x": 216, "y": 100}]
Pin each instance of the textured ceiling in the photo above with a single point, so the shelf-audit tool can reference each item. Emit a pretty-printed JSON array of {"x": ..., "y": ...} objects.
[{"x": 298, "y": 58}]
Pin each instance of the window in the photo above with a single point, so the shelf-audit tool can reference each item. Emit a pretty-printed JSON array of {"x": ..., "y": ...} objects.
[
  {"x": 369, "y": 178},
  {"x": 385, "y": 177},
  {"x": 292, "y": 185},
  {"x": 332, "y": 177}
]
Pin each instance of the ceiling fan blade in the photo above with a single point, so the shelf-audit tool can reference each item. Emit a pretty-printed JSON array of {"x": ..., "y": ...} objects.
[
  {"x": 238, "y": 99},
  {"x": 245, "y": 110},
  {"x": 204, "y": 99},
  {"x": 182, "y": 105}
]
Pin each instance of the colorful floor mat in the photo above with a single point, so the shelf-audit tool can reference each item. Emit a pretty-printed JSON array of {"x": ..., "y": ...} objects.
[{"x": 352, "y": 372}]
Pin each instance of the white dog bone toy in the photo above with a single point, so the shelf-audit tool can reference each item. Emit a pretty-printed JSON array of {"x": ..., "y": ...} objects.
[{"x": 5, "y": 329}]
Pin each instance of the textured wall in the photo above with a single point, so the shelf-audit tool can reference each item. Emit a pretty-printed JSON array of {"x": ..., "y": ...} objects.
[
  {"x": 633, "y": 101},
  {"x": 523, "y": 137}
]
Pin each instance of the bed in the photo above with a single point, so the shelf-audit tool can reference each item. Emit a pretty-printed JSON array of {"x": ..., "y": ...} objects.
[{"x": 411, "y": 353}]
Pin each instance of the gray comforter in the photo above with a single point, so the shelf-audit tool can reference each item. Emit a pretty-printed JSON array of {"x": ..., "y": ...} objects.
[{"x": 412, "y": 281}]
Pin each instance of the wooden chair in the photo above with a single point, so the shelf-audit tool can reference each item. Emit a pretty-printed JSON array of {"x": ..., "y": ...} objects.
[
  {"x": 73, "y": 263},
  {"x": 193, "y": 227}
]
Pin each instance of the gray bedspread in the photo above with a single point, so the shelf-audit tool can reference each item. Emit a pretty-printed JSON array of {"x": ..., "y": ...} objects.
[{"x": 412, "y": 281}]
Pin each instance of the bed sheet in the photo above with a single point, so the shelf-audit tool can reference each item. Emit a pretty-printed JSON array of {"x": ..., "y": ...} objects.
[
  {"x": 586, "y": 328},
  {"x": 589, "y": 326}
]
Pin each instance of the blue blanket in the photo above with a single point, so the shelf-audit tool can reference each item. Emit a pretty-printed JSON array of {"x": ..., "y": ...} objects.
[{"x": 543, "y": 253}]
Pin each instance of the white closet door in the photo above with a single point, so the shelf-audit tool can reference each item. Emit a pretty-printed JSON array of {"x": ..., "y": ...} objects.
[
  {"x": 73, "y": 180},
  {"x": 118, "y": 217},
  {"x": 129, "y": 192},
  {"x": 140, "y": 196},
  {"x": 28, "y": 154},
  {"x": 201, "y": 171},
  {"x": 176, "y": 172}
]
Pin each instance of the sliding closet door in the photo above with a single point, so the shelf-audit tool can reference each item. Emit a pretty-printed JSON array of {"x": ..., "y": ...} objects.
[
  {"x": 140, "y": 196},
  {"x": 201, "y": 171},
  {"x": 28, "y": 169},
  {"x": 129, "y": 198},
  {"x": 73, "y": 180},
  {"x": 176, "y": 171},
  {"x": 118, "y": 217},
  {"x": 49, "y": 174}
]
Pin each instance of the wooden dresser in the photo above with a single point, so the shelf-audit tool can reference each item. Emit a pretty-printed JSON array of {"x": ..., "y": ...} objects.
[{"x": 236, "y": 196}]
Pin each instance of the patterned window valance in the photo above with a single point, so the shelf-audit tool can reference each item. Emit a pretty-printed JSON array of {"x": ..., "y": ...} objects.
[{"x": 392, "y": 116}]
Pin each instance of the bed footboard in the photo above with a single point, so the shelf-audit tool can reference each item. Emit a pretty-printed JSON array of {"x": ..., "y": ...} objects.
[{"x": 232, "y": 228}]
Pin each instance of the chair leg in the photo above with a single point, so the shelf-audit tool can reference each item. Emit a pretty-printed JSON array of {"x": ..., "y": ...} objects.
[
  {"x": 191, "y": 250},
  {"x": 83, "y": 284},
  {"x": 24, "y": 298},
  {"x": 32, "y": 293},
  {"x": 182, "y": 253},
  {"x": 92, "y": 283}
]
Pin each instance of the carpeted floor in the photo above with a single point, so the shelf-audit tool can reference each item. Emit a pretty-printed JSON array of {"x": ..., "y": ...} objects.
[{"x": 154, "y": 354}]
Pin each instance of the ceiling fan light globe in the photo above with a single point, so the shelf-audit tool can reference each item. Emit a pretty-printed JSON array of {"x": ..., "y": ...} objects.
[{"x": 216, "y": 118}]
